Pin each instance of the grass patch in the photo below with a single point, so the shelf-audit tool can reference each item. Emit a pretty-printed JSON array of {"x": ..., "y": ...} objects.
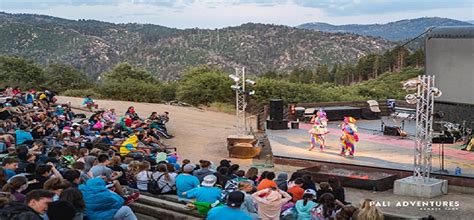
[{"x": 222, "y": 107}]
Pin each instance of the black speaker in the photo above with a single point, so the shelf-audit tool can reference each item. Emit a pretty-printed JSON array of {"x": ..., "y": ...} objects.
[
  {"x": 276, "y": 109},
  {"x": 277, "y": 124},
  {"x": 389, "y": 130}
]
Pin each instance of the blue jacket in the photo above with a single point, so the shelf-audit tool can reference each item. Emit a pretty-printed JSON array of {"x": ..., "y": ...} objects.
[{"x": 101, "y": 204}]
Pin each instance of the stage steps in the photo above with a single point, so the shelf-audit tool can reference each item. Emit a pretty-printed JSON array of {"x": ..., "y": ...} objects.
[{"x": 150, "y": 206}]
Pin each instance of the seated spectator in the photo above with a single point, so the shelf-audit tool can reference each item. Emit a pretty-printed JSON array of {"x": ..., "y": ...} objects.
[
  {"x": 43, "y": 172},
  {"x": 166, "y": 180},
  {"x": 232, "y": 209},
  {"x": 74, "y": 196},
  {"x": 16, "y": 185},
  {"x": 269, "y": 202},
  {"x": 224, "y": 163},
  {"x": 308, "y": 183},
  {"x": 305, "y": 206},
  {"x": 9, "y": 166},
  {"x": 144, "y": 175},
  {"x": 248, "y": 205},
  {"x": 84, "y": 176},
  {"x": 207, "y": 192},
  {"x": 346, "y": 213},
  {"x": 281, "y": 181},
  {"x": 102, "y": 203},
  {"x": 222, "y": 176},
  {"x": 337, "y": 189},
  {"x": 185, "y": 181},
  {"x": 368, "y": 210},
  {"x": 326, "y": 208},
  {"x": 23, "y": 135},
  {"x": 115, "y": 165},
  {"x": 73, "y": 177},
  {"x": 61, "y": 210},
  {"x": 233, "y": 184},
  {"x": 204, "y": 170},
  {"x": 252, "y": 174},
  {"x": 324, "y": 188},
  {"x": 297, "y": 190},
  {"x": 56, "y": 185},
  {"x": 36, "y": 204},
  {"x": 267, "y": 182},
  {"x": 101, "y": 170}
]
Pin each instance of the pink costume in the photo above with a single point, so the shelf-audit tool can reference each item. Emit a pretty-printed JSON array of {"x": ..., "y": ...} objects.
[
  {"x": 318, "y": 130},
  {"x": 349, "y": 136}
]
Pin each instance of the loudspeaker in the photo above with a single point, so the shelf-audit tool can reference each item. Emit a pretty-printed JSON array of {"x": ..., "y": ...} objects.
[
  {"x": 276, "y": 109},
  {"x": 277, "y": 124}
]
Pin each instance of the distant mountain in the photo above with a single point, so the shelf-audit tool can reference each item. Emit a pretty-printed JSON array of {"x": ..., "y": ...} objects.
[
  {"x": 395, "y": 31},
  {"x": 470, "y": 21},
  {"x": 95, "y": 46}
]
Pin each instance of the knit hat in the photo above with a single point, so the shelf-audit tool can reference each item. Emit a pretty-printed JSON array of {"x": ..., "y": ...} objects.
[{"x": 310, "y": 191}]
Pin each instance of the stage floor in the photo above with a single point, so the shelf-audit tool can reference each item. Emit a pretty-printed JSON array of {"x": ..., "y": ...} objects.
[{"x": 373, "y": 149}]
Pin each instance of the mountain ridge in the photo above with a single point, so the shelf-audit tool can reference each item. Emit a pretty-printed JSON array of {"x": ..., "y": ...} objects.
[
  {"x": 96, "y": 47},
  {"x": 394, "y": 31}
]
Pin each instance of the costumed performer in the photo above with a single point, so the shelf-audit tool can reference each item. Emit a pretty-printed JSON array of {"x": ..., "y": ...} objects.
[
  {"x": 349, "y": 136},
  {"x": 319, "y": 129}
]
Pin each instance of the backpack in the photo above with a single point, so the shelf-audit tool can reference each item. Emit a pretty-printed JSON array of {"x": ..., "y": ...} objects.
[{"x": 154, "y": 185}]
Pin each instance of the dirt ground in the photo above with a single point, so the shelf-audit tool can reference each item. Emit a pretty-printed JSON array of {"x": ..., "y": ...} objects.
[{"x": 202, "y": 134}]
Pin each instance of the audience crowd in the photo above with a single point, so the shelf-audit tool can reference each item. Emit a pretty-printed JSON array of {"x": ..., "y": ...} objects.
[{"x": 58, "y": 164}]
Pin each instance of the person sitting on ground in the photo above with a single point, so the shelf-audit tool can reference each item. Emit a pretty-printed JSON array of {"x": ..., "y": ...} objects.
[
  {"x": 368, "y": 210},
  {"x": 23, "y": 135},
  {"x": 207, "y": 192},
  {"x": 42, "y": 174},
  {"x": 36, "y": 204},
  {"x": 337, "y": 189},
  {"x": 73, "y": 176},
  {"x": 248, "y": 205},
  {"x": 324, "y": 188},
  {"x": 89, "y": 103},
  {"x": 326, "y": 208},
  {"x": 252, "y": 174},
  {"x": 74, "y": 196},
  {"x": 15, "y": 186},
  {"x": 305, "y": 206},
  {"x": 232, "y": 209},
  {"x": 233, "y": 184},
  {"x": 308, "y": 182},
  {"x": 281, "y": 181},
  {"x": 101, "y": 170},
  {"x": 10, "y": 164},
  {"x": 56, "y": 185},
  {"x": 346, "y": 213},
  {"x": 166, "y": 180},
  {"x": 269, "y": 202},
  {"x": 204, "y": 170},
  {"x": 144, "y": 175},
  {"x": 267, "y": 182},
  {"x": 185, "y": 181},
  {"x": 297, "y": 190},
  {"x": 101, "y": 203},
  {"x": 61, "y": 210}
]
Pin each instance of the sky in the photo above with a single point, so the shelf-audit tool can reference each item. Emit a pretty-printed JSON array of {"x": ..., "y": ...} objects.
[{"x": 223, "y": 13}]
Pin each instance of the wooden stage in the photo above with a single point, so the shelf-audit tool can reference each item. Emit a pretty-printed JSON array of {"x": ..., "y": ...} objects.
[{"x": 373, "y": 150}]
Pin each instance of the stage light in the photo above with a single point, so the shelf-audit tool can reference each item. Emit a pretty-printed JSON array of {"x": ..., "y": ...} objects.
[
  {"x": 251, "y": 92},
  {"x": 411, "y": 99},
  {"x": 236, "y": 87},
  {"x": 234, "y": 77},
  {"x": 436, "y": 92},
  {"x": 411, "y": 84},
  {"x": 250, "y": 82}
]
